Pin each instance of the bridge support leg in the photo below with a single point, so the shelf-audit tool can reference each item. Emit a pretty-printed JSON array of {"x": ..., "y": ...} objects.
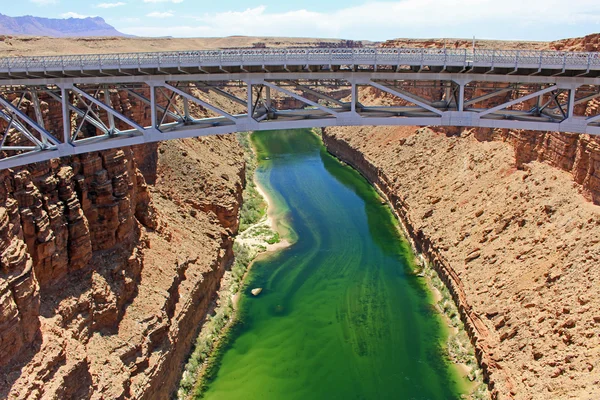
[
  {"x": 153, "y": 117},
  {"x": 249, "y": 106},
  {"x": 461, "y": 97},
  {"x": 448, "y": 92},
  {"x": 571, "y": 106},
  {"x": 354, "y": 98},
  {"x": 111, "y": 118},
  {"x": 186, "y": 109},
  {"x": 64, "y": 93},
  {"x": 38, "y": 112}
]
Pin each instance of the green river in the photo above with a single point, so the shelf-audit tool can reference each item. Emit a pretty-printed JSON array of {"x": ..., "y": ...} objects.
[{"x": 340, "y": 316}]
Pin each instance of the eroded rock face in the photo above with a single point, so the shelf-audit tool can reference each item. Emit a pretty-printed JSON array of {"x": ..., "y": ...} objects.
[
  {"x": 518, "y": 249},
  {"x": 101, "y": 293},
  {"x": 577, "y": 154},
  {"x": 586, "y": 43},
  {"x": 19, "y": 290},
  {"x": 57, "y": 217}
]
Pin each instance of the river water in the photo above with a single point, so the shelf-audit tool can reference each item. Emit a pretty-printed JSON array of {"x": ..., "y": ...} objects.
[{"x": 340, "y": 315}]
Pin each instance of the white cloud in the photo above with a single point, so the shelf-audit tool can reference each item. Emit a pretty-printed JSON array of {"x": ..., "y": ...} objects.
[
  {"x": 44, "y": 2},
  {"x": 163, "y": 1},
  {"x": 72, "y": 14},
  {"x": 157, "y": 14},
  {"x": 110, "y": 5},
  {"x": 378, "y": 20}
]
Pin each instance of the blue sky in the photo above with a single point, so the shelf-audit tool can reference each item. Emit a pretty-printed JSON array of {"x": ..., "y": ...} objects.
[{"x": 349, "y": 19}]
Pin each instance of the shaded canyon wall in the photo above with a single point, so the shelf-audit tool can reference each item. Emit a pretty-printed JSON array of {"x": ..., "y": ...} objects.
[{"x": 104, "y": 279}]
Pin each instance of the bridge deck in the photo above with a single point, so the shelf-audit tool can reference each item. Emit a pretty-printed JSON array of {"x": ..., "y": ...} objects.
[
  {"x": 521, "y": 62},
  {"x": 285, "y": 89}
]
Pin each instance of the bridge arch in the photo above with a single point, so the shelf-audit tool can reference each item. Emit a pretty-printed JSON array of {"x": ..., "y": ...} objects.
[{"x": 197, "y": 93}]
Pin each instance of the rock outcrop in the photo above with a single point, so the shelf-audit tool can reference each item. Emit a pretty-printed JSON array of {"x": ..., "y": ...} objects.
[
  {"x": 586, "y": 43},
  {"x": 104, "y": 279},
  {"x": 577, "y": 154}
]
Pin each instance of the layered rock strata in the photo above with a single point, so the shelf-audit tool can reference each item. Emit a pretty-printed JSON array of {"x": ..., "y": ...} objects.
[
  {"x": 576, "y": 154},
  {"x": 106, "y": 280}
]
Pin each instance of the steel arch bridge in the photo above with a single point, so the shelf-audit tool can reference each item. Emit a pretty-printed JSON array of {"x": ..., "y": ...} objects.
[{"x": 185, "y": 94}]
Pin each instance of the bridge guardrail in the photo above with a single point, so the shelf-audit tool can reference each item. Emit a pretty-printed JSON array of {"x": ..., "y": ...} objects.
[{"x": 303, "y": 56}]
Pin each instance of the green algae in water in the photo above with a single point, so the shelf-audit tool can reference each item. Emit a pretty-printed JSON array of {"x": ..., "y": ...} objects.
[{"x": 340, "y": 316}]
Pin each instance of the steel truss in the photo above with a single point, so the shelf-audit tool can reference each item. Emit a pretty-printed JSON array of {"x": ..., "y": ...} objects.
[{"x": 95, "y": 115}]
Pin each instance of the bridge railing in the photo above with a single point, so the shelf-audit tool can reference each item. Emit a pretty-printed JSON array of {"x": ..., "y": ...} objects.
[
  {"x": 546, "y": 59},
  {"x": 303, "y": 56}
]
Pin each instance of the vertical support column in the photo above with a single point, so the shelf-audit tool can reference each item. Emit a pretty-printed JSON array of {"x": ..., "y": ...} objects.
[
  {"x": 153, "y": 116},
  {"x": 66, "y": 115},
  {"x": 111, "y": 118},
  {"x": 460, "y": 99},
  {"x": 249, "y": 105},
  {"x": 268, "y": 97},
  {"x": 38, "y": 113},
  {"x": 186, "y": 109},
  {"x": 353, "y": 98},
  {"x": 571, "y": 106},
  {"x": 448, "y": 92}
]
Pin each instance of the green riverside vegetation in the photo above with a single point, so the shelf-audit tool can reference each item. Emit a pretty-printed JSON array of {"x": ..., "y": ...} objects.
[
  {"x": 254, "y": 235},
  {"x": 459, "y": 347},
  {"x": 342, "y": 313},
  {"x": 254, "y": 207}
]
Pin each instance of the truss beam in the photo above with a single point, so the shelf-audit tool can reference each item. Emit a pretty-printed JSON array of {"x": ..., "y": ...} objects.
[
  {"x": 149, "y": 102},
  {"x": 83, "y": 114},
  {"x": 411, "y": 95},
  {"x": 168, "y": 113},
  {"x": 300, "y": 98},
  {"x": 108, "y": 109},
  {"x": 21, "y": 128},
  {"x": 487, "y": 96},
  {"x": 318, "y": 94},
  {"x": 221, "y": 92},
  {"x": 200, "y": 102},
  {"x": 13, "y": 110},
  {"x": 518, "y": 100},
  {"x": 407, "y": 97}
]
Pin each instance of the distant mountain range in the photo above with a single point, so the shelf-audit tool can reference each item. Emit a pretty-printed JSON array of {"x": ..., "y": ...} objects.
[{"x": 55, "y": 27}]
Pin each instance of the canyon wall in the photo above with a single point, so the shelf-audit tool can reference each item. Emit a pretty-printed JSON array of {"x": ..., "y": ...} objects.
[
  {"x": 105, "y": 280},
  {"x": 509, "y": 219},
  {"x": 517, "y": 247},
  {"x": 577, "y": 154}
]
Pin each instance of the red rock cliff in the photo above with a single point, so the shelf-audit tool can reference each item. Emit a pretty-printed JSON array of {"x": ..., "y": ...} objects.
[{"x": 101, "y": 293}]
